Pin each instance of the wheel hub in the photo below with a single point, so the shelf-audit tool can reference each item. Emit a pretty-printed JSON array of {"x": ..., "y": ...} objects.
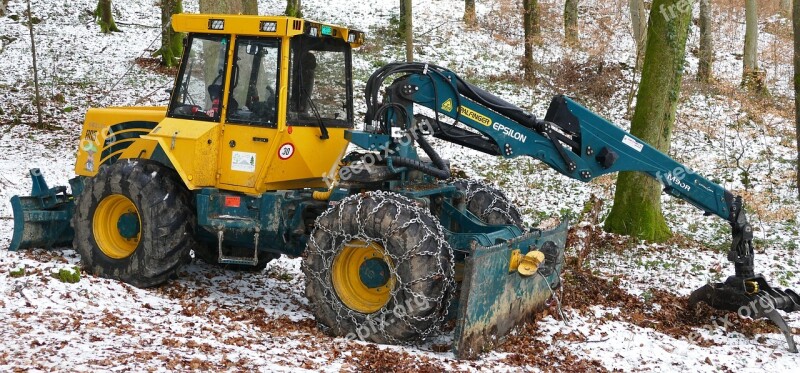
[
  {"x": 362, "y": 276},
  {"x": 116, "y": 226}
]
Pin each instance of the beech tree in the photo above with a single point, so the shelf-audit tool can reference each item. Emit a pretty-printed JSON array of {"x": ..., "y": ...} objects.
[
  {"x": 171, "y": 41},
  {"x": 637, "y": 199},
  {"x": 104, "y": 17},
  {"x": 705, "y": 70},
  {"x": 639, "y": 27},
  {"x": 571, "y": 22},
  {"x": 408, "y": 31},
  {"x": 753, "y": 78},
  {"x": 294, "y": 8},
  {"x": 532, "y": 32},
  {"x": 229, "y": 6},
  {"x": 796, "y": 24},
  {"x": 469, "y": 12}
]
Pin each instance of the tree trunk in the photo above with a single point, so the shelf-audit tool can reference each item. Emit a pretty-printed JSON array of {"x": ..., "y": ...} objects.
[
  {"x": 637, "y": 200},
  {"x": 786, "y": 8},
  {"x": 171, "y": 41},
  {"x": 639, "y": 26},
  {"x": 571, "y": 22},
  {"x": 294, "y": 8},
  {"x": 401, "y": 25},
  {"x": 796, "y": 23},
  {"x": 35, "y": 69},
  {"x": 533, "y": 33},
  {"x": 4, "y": 7},
  {"x": 705, "y": 70},
  {"x": 469, "y": 12},
  {"x": 229, "y": 6},
  {"x": 753, "y": 78},
  {"x": 104, "y": 17},
  {"x": 409, "y": 31}
]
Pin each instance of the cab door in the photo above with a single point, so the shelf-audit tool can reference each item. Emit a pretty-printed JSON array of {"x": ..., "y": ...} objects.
[{"x": 251, "y": 113}]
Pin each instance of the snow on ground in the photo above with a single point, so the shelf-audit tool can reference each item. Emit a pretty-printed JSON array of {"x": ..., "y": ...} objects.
[{"x": 211, "y": 319}]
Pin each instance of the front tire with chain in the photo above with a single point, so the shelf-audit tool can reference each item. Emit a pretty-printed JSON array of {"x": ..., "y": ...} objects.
[
  {"x": 378, "y": 268},
  {"x": 133, "y": 223}
]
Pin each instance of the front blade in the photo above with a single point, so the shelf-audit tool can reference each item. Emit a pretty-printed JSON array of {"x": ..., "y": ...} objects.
[
  {"x": 36, "y": 226},
  {"x": 493, "y": 301}
]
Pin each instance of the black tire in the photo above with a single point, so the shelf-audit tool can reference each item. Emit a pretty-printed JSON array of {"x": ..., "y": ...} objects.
[
  {"x": 210, "y": 255},
  {"x": 489, "y": 203},
  {"x": 166, "y": 223},
  {"x": 422, "y": 268}
]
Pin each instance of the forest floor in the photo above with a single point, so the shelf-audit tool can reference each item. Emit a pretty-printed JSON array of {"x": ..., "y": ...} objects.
[{"x": 625, "y": 301}]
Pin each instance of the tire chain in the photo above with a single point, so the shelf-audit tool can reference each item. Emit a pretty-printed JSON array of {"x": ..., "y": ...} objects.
[
  {"x": 444, "y": 273},
  {"x": 500, "y": 203}
]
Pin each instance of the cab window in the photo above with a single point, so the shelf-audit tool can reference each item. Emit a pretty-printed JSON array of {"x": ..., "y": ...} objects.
[
  {"x": 320, "y": 87},
  {"x": 254, "y": 81},
  {"x": 198, "y": 93}
]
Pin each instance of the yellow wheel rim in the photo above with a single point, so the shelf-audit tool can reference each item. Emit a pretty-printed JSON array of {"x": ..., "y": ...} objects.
[
  {"x": 117, "y": 226},
  {"x": 362, "y": 276}
]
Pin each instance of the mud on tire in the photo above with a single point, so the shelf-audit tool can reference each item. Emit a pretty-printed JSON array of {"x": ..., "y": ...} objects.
[
  {"x": 422, "y": 268},
  {"x": 166, "y": 223}
]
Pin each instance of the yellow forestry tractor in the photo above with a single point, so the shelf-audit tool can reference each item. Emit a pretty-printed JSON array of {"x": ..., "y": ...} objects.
[{"x": 250, "y": 161}]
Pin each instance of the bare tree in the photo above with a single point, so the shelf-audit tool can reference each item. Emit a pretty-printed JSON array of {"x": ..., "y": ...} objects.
[
  {"x": 637, "y": 199},
  {"x": 171, "y": 41},
  {"x": 532, "y": 32},
  {"x": 796, "y": 24},
  {"x": 469, "y": 12},
  {"x": 409, "y": 31},
  {"x": 639, "y": 26},
  {"x": 753, "y": 78},
  {"x": 35, "y": 68},
  {"x": 229, "y": 6},
  {"x": 294, "y": 8},
  {"x": 104, "y": 17},
  {"x": 571, "y": 22},
  {"x": 705, "y": 70}
]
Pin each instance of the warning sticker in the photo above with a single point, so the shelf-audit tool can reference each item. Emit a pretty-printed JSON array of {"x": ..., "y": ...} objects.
[
  {"x": 448, "y": 105},
  {"x": 245, "y": 162},
  {"x": 627, "y": 140}
]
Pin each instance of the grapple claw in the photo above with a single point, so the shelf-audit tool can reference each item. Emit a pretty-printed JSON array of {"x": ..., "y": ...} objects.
[{"x": 751, "y": 297}]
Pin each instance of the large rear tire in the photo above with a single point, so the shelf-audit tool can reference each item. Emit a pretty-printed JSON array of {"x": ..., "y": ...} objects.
[
  {"x": 378, "y": 269},
  {"x": 133, "y": 223}
]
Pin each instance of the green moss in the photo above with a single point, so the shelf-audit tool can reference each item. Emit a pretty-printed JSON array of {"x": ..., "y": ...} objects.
[
  {"x": 69, "y": 276},
  {"x": 19, "y": 272}
]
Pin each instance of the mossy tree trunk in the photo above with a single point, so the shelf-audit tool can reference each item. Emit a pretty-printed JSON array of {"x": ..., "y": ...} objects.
[
  {"x": 786, "y": 8},
  {"x": 229, "y": 6},
  {"x": 637, "y": 200},
  {"x": 571, "y": 22},
  {"x": 409, "y": 31},
  {"x": 171, "y": 41},
  {"x": 796, "y": 24},
  {"x": 104, "y": 17},
  {"x": 401, "y": 25},
  {"x": 533, "y": 34},
  {"x": 753, "y": 78},
  {"x": 639, "y": 27},
  {"x": 705, "y": 70},
  {"x": 469, "y": 12},
  {"x": 294, "y": 8}
]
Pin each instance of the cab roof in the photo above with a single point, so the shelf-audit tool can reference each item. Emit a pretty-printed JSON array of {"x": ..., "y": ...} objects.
[{"x": 276, "y": 26}]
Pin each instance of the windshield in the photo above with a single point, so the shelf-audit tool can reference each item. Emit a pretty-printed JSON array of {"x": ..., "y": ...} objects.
[
  {"x": 199, "y": 87},
  {"x": 320, "y": 86}
]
